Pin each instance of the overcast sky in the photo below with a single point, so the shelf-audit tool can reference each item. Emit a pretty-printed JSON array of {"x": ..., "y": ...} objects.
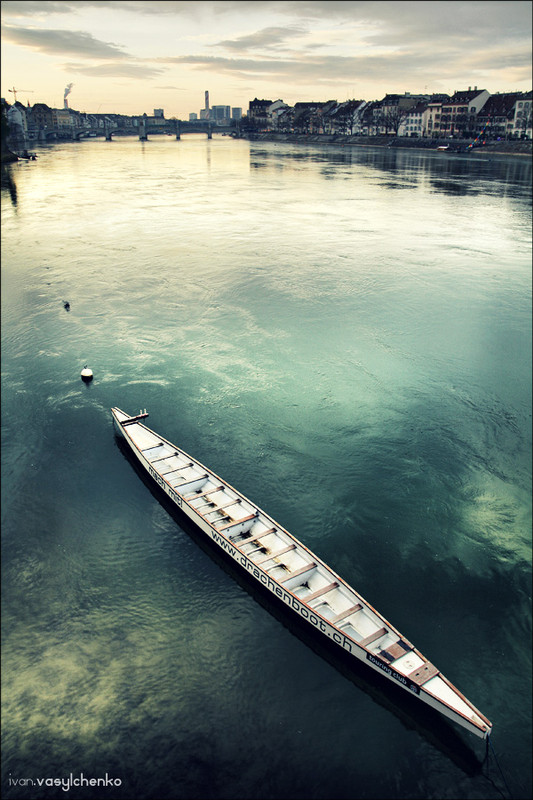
[{"x": 130, "y": 57}]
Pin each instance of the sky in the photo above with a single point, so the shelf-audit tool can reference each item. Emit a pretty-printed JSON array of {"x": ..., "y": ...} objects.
[{"x": 129, "y": 57}]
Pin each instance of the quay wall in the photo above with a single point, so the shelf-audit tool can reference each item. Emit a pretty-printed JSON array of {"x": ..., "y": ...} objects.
[{"x": 515, "y": 147}]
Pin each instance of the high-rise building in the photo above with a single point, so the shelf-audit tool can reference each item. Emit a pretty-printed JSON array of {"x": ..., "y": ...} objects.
[
  {"x": 236, "y": 113},
  {"x": 220, "y": 113}
]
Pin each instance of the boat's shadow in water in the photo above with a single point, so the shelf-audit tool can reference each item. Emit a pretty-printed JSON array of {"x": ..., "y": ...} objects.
[{"x": 413, "y": 714}]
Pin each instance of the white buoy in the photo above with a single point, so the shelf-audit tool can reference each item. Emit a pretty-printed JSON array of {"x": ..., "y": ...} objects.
[{"x": 86, "y": 374}]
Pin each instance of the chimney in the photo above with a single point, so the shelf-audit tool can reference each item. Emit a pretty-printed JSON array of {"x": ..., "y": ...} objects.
[{"x": 65, "y": 101}]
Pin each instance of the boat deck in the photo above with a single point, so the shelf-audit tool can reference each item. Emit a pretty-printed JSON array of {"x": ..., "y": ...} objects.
[
  {"x": 288, "y": 562},
  {"x": 276, "y": 551}
]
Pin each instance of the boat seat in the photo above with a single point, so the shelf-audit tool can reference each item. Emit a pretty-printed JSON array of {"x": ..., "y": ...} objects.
[
  {"x": 277, "y": 565},
  {"x": 347, "y": 613},
  {"x": 320, "y": 592},
  {"x": 276, "y": 554},
  {"x": 396, "y": 650},
  {"x": 218, "y": 509},
  {"x": 170, "y": 471},
  {"x": 152, "y": 447},
  {"x": 162, "y": 458},
  {"x": 422, "y": 674},
  {"x": 215, "y": 507},
  {"x": 192, "y": 479},
  {"x": 372, "y": 637},
  {"x": 238, "y": 521},
  {"x": 255, "y": 538},
  {"x": 195, "y": 495},
  {"x": 299, "y": 571}
]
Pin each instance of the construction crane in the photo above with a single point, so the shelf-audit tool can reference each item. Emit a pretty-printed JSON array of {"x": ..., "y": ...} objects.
[{"x": 19, "y": 90}]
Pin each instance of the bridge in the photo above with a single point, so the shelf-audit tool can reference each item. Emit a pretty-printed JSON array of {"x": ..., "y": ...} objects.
[{"x": 143, "y": 130}]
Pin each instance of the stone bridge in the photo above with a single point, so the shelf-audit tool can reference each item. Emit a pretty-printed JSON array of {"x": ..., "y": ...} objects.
[{"x": 143, "y": 130}]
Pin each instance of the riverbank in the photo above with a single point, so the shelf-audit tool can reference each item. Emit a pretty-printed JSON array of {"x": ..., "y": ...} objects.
[
  {"x": 7, "y": 156},
  {"x": 520, "y": 148}
]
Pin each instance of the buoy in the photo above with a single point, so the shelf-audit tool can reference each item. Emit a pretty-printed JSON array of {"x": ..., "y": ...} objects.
[
  {"x": 86, "y": 374},
  {"x": 66, "y": 305}
]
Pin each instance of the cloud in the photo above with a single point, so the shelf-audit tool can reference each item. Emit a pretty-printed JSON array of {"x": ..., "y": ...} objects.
[
  {"x": 29, "y": 8},
  {"x": 267, "y": 37},
  {"x": 115, "y": 69},
  {"x": 63, "y": 42},
  {"x": 303, "y": 70}
]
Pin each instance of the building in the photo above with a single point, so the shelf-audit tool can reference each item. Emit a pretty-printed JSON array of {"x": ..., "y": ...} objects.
[
  {"x": 220, "y": 114},
  {"x": 18, "y": 123},
  {"x": 344, "y": 118},
  {"x": 433, "y": 115},
  {"x": 40, "y": 117},
  {"x": 257, "y": 112},
  {"x": 63, "y": 121},
  {"x": 391, "y": 112},
  {"x": 522, "y": 117},
  {"x": 236, "y": 113},
  {"x": 459, "y": 113},
  {"x": 193, "y": 117},
  {"x": 413, "y": 123},
  {"x": 496, "y": 119},
  {"x": 273, "y": 113},
  {"x": 159, "y": 112},
  {"x": 506, "y": 116}
]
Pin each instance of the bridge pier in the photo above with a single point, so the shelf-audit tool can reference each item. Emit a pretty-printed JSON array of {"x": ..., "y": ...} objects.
[
  {"x": 178, "y": 133},
  {"x": 209, "y": 132}
]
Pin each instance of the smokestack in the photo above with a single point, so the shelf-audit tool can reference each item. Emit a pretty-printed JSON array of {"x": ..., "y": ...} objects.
[
  {"x": 68, "y": 90},
  {"x": 206, "y": 101}
]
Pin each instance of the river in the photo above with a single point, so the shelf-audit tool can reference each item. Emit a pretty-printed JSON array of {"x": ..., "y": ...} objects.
[{"x": 344, "y": 334}]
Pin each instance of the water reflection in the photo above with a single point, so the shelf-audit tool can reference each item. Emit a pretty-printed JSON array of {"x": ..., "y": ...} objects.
[
  {"x": 8, "y": 184},
  {"x": 471, "y": 169},
  {"x": 412, "y": 714}
]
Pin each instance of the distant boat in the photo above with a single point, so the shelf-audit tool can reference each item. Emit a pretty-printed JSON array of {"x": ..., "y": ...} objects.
[
  {"x": 443, "y": 147},
  {"x": 293, "y": 574}
]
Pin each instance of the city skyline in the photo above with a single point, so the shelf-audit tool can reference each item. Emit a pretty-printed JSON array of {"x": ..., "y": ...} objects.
[{"x": 129, "y": 57}]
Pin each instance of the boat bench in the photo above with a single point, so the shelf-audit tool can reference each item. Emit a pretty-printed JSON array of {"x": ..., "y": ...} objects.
[
  {"x": 396, "y": 650},
  {"x": 297, "y": 572},
  {"x": 373, "y": 637},
  {"x": 423, "y": 673}
]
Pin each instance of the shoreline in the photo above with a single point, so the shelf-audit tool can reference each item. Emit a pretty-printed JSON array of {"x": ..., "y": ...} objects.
[{"x": 512, "y": 148}]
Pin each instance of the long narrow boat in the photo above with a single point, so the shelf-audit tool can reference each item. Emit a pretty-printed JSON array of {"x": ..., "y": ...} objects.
[{"x": 292, "y": 573}]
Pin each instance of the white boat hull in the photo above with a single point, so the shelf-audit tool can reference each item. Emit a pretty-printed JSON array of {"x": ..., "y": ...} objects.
[{"x": 298, "y": 578}]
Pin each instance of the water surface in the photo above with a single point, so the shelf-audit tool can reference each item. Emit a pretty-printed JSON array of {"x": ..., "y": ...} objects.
[{"x": 344, "y": 335}]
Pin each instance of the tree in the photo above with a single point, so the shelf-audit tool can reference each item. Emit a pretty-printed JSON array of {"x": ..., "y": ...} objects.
[{"x": 392, "y": 118}]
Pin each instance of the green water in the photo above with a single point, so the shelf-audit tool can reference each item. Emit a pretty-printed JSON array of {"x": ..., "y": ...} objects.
[{"x": 345, "y": 336}]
